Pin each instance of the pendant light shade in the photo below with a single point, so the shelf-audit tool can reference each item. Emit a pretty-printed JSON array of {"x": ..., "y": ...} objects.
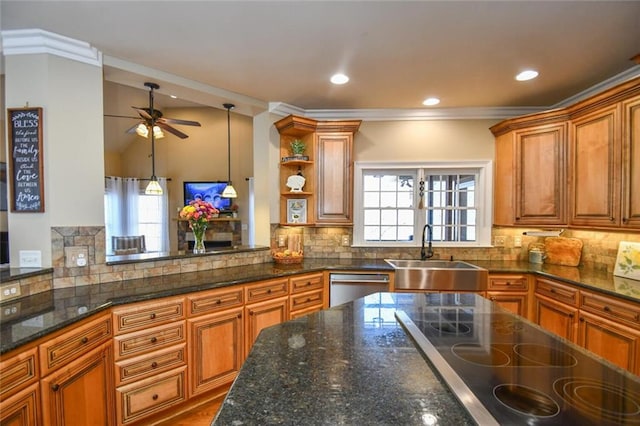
[
  {"x": 153, "y": 188},
  {"x": 229, "y": 190}
]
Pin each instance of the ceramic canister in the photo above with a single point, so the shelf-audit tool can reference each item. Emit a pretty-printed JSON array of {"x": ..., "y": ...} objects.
[{"x": 536, "y": 255}]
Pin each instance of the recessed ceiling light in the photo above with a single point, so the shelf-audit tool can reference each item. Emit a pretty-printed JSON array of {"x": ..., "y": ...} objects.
[
  {"x": 339, "y": 79},
  {"x": 431, "y": 102},
  {"x": 527, "y": 75}
]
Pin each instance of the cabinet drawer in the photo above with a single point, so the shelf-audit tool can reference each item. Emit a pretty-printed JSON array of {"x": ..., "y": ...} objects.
[
  {"x": 214, "y": 301},
  {"x": 557, "y": 291},
  {"x": 266, "y": 290},
  {"x": 148, "y": 340},
  {"x": 18, "y": 372},
  {"x": 617, "y": 310},
  {"x": 508, "y": 283},
  {"x": 150, "y": 364},
  {"x": 68, "y": 346},
  {"x": 148, "y": 314},
  {"x": 151, "y": 395},
  {"x": 305, "y": 300},
  {"x": 306, "y": 283}
]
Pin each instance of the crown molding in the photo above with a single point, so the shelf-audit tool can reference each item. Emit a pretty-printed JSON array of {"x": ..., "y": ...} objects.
[
  {"x": 389, "y": 114},
  {"x": 36, "y": 41}
]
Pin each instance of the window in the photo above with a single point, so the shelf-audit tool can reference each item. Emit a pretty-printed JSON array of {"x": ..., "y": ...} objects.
[
  {"x": 393, "y": 202},
  {"x": 150, "y": 221}
]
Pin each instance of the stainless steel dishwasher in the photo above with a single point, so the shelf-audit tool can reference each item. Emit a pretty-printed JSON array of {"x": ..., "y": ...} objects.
[{"x": 344, "y": 288}]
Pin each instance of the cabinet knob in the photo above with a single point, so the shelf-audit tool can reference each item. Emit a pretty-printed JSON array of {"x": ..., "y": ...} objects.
[
  {"x": 625, "y": 220},
  {"x": 508, "y": 283},
  {"x": 218, "y": 302},
  {"x": 269, "y": 291},
  {"x": 612, "y": 218},
  {"x": 154, "y": 339},
  {"x": 84, "y": 340},
  {"x": 581, "y": 319},
  {"x": 154, "y": 364},
  {"x": 308, "y": 283},
  {"x": 152, "y": 316},
  {"x": 492, "y": 298},
  {"x": 155, "y": 396},
  {"x": 570, "y": 315},
  {"x": 55, "y": 387},
  {"x": 606, "y": 308}
]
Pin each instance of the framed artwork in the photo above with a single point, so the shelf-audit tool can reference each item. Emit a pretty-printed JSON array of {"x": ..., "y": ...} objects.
[
  {"x": 297, "y": 210},
  {"x": 628, "y": 260},
  {"x": 4, "y": 200}
]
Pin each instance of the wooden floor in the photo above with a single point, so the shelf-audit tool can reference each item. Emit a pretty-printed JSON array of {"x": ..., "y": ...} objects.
[{"x": 200, "y": 416}]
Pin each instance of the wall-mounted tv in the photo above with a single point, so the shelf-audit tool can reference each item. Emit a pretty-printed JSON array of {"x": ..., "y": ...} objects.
[{"x": 207, "y": 191}]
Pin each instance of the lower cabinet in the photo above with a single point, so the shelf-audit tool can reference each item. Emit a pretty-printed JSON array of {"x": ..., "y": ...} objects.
[
  {"x": 22, "y": 409},
  {"x": 556, "y": 317},
  {"x": 80, "y": 393},
  {"x": 510, "y": 291},
  {"x": 216, "y": 349},
  {"x": 261, "y": 315},
  {"x": 614, "y": 342}
]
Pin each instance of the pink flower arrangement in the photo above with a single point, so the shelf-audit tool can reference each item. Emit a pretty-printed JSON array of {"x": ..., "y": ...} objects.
[{"x": 198, "y": 212}]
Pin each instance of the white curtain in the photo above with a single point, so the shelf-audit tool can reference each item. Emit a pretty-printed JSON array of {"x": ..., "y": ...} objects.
[
  {"x": 131, "y": 194},
  {"x": 114, "y": 218},
  {"x": 164, "y": 215}
]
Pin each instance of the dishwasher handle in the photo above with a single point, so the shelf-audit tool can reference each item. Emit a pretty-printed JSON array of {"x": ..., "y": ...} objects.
[{"x": 359, "y": 278}]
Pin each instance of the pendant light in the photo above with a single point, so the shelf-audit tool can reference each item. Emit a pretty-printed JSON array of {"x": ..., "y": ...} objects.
[
  {"x": 153, "y": 188},
  {"x": 229, "y": 190}
]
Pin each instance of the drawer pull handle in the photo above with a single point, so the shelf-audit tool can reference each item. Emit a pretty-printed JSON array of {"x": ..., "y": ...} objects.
[
  {"x": 85, "y": 340},
  {"x": 155, "y": 396},
  {"x": 552, "y": 290},
  {"x": 55, "y": 387},
  {"x": 308, "y": 283},
  {"x": 154, "y": 364},
  {"x": 154, "y": 339},
  {"x": 219, "y": 301},
  {"x": 152, "y": 316},
  {"x": 269, "y": 291},
  {"x": 508, "y": 282},
  {"x": 606, "y": 308}
]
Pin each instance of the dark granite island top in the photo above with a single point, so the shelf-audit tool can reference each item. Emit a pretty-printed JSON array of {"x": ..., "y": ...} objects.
[
  {"x": 355, "y": 365},
  {"x": 348, "y": 365}
]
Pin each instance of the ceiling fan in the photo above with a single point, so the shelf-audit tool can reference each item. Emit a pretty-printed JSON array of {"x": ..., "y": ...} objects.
[{"x": 152, "y": 118}]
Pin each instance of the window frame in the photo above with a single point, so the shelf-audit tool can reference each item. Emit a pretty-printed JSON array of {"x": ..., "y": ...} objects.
[{"x": 484, "y": 194}]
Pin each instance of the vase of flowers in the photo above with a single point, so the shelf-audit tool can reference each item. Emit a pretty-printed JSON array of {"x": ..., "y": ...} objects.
[{"x": 198, "y": 213}]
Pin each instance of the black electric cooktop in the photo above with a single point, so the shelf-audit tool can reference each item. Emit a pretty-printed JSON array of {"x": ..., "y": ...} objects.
[{"x": 508, "y": 371}]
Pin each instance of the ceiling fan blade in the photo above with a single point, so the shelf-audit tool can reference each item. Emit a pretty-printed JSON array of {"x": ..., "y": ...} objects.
[
  {"x": 142, "y": 112},
  {"x": 132, "y": 129},
  {"x": 121, "y": 116},
  {"x": 177, "y": 121},
  {"x": 170, "y": 129}
]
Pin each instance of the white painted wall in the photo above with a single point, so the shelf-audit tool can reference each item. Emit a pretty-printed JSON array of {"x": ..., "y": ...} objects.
[{"x": 71, "y": 97}]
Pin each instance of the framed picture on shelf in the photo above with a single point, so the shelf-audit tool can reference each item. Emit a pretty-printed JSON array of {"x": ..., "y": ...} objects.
[{"x": 297, "y": 210}]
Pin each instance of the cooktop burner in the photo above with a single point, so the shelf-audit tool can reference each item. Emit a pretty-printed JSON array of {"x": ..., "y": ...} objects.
[
  {"x": 611, "y": 402},
  {"x": 517, "y": 373}
]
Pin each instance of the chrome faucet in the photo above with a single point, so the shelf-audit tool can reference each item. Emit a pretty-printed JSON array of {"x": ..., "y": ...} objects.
[{"x": 424, "y": 255}]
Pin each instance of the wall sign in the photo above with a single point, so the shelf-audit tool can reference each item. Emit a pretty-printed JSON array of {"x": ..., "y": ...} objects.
[{"x": 26, "y": 180}]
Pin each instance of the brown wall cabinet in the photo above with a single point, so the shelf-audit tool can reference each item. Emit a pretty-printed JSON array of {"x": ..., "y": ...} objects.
[{"x": 327, "y": 168}]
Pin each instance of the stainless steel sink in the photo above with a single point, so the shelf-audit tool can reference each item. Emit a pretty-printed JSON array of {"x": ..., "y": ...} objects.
[{"x": 443, "y": 275}]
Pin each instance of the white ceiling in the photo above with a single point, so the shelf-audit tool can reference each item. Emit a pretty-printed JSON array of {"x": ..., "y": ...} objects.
[{"x": 397, "y": 53}]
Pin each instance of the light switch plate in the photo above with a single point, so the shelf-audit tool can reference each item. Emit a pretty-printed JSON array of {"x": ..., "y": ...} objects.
[{"x": 30, "y": 258}]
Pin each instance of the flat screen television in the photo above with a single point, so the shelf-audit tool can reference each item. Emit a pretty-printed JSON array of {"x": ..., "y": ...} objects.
[{"x": 207, "y": 191}]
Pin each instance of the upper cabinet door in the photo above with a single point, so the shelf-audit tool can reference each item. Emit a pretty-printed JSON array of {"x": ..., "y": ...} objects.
[
  {"x": 540, "y": 195},
  {"x": 335, "y": 178},
  {"x": 631, "y": 163},
  {"x": 594, "y": 161}
]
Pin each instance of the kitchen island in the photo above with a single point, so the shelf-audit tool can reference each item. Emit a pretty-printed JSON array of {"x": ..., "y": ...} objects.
[{"x": 356, "y": 364}]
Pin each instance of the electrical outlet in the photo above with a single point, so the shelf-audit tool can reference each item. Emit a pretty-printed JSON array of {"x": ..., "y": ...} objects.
[
  {"x": 282, "y": 240},
  {"x": 30, "y": 258},
  {"x": 517, "y": 241},
  {"x": 10, "y": 291},
  {"x": 498, "y": 241},
  {"x": 345, "y": 240},
  {"x": 76, "y": 256}
]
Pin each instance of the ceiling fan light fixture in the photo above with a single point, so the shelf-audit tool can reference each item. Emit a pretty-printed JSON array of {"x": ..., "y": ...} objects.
[
  {"x": 153, "y": 188},
  {"x": 142, "y": 130},
  {"x": 157, "y": 132}
]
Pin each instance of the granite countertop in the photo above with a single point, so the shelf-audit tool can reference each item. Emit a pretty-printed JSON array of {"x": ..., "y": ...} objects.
[
  {"x": 354, "y": 364},
  {"x": 341, "y": 366},
  {"x": 26, "y": 319}
]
